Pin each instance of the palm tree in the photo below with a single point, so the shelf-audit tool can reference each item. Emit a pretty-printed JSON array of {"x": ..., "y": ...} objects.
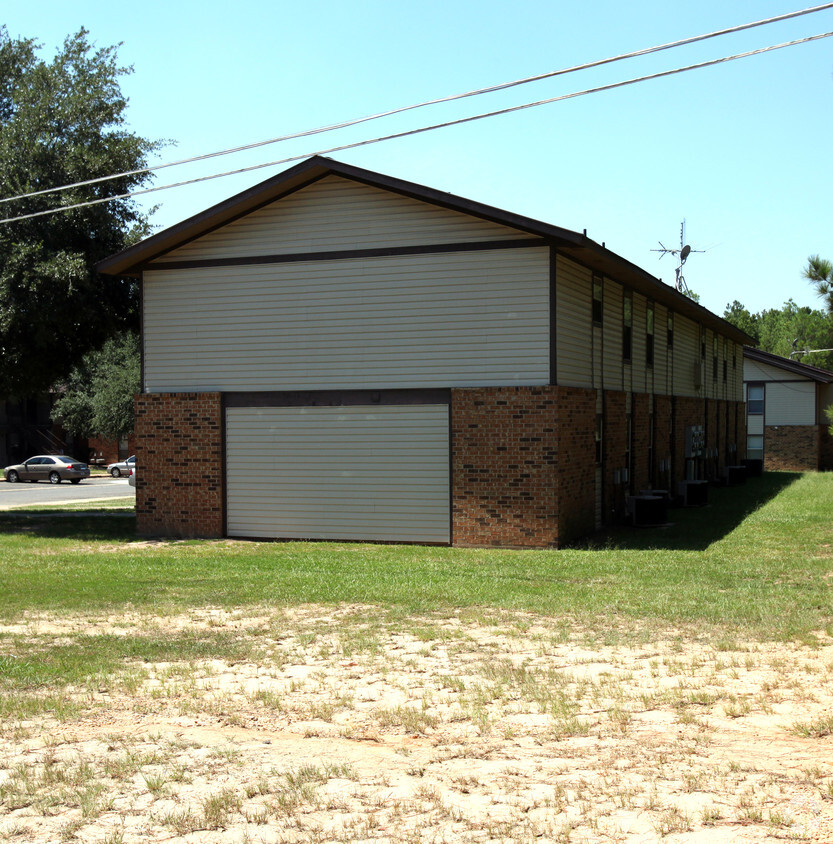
[{"x": 819, "y": 272}]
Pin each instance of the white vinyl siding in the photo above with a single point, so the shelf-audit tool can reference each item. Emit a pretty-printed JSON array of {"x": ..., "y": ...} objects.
[
  {"x": 612, "y": 356},
  {"x": 686, "y": 355},
  {"x": 660, "y": 349},
  {"x": 792, "y": 403},
  {"x": 450, "y": 319},
  {"x": 359, "y": 472},
  {"x": 573, "y": 309},
  {"x": 335, "y": 214}
]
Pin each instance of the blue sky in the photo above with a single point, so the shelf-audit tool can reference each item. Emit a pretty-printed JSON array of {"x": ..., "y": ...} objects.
[{"x": 741, "y": 151}]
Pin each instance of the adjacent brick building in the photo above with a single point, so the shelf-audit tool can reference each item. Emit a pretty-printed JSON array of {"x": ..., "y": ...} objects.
[
  {"x": 787, "y": 427},
  {"x": 336, "y": 354}
]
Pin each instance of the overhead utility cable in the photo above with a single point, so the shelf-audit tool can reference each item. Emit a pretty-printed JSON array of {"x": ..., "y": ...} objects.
[
  {"x": 451, "y": 98},
  {"x": 509, "y": 110}
]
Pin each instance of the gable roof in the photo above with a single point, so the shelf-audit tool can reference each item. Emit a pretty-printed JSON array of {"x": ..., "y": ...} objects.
[
  {"x": 579, "y": 247},
  {"x": 814, "y": 373}
]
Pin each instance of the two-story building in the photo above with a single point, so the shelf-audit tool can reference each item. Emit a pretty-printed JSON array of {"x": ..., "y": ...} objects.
[{"x": 337, "y": 354}]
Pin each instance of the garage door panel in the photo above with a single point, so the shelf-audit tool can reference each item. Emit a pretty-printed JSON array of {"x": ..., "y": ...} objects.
[{"x": 377, "y": 473}]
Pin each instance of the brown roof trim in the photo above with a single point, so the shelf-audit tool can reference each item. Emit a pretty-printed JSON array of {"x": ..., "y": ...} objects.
[
  {"x": 814, "y": 373},
  {"x": 578, "y": 247}
]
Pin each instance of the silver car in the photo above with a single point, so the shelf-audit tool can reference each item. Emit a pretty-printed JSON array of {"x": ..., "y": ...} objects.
[
  {"x": 48, "y": 467},
  {"x": 123, "y": 467}
]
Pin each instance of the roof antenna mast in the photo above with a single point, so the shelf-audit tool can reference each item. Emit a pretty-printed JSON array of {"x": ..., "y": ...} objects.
[{"x": 684, "y": 251}]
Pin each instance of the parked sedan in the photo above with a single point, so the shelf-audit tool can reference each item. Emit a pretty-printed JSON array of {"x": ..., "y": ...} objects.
[
  {"x": 48, "y": 467},
  {"x": 123, "y": 467},
  {"x": 131, "y": 479}
]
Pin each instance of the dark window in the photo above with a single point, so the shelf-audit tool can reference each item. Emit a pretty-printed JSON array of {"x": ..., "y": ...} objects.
[
  {"x": 755, "y": 399},
  {"x": 725, "y": 359},
  {"x": 703, "y": 345},
  {"x": 670, "y": 330},
  {"x": 649, "y": 335},
  {"x": 597, "y": 300},
  {"x": 627, "y": 328},
  {"x": 714, "y": 357}
]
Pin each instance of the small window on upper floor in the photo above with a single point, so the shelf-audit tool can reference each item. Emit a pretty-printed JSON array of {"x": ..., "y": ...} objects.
[
  {"x": 649, "y": 335},
  {"x": 703, "y": 344},
  {"x": 627, "y": 327},
  {"x": 714, "y": 356},
  {"x": 670, "y": 338},
  {"x": 725, "y": 359},
  {"x": 597, "y": 300},
  {"x": 755, "y": 399}
]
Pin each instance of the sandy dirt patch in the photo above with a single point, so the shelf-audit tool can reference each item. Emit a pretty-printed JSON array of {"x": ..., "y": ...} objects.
[{"x": 351, "y": 724}]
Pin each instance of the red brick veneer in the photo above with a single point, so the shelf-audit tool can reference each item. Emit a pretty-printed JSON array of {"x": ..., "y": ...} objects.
[
  {"x": 179, "y": 455},
  {"x": 519, "y": 465},
  {"x": 794, "y": 448}
]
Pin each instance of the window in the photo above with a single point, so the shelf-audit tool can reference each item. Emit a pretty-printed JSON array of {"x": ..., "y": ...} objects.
[
  {"x": 755, "y": 447},
  {"x": 725, "y": 360},
  {"x": 599, "y": 437},
  {"x": 670, "y": 330},
  {"x": 755, "y": 399},
  {"x": 649, "y": 335},
  {"x": 703, "y": 344},
  {"x": 714, "y": 356},
  {"x": 627, "y": 327},
  {"x": 597, "y": 300}
]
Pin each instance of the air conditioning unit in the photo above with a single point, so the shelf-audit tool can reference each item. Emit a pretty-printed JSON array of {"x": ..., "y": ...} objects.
[
  {"x": 648, "y": 510},
  {"x": 693, "y": 493}
]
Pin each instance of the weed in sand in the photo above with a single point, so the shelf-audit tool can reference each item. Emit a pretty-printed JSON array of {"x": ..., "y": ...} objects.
[{"x": 817, "y": 728}]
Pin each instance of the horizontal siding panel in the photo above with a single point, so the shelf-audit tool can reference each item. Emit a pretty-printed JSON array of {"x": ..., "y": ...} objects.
[
  {"x": 791, "y": 404},
  {"x": 460, "y": 319},
  {"x": 336, "y": 214},
  {"x": 612, "y": 321},
  {"x": 379, "y": 473},
  {"x": 686, "y": 355},
  {"x": 574, "y": 322}
]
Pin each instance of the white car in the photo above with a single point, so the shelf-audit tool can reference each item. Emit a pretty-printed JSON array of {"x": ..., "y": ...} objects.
[
  {"x": 131, "y": 478},
  {"x": 123, "y": 467}
]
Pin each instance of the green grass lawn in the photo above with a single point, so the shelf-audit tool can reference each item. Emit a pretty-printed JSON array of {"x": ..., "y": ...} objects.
[{"x": 757, "y": 560}]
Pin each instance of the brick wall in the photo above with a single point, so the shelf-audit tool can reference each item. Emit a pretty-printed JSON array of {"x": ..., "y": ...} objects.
[
  {"x": 179, "y": 453},
  {"x": 504, "y": 464},
  {"x": 640, "y": 405},
  {"x": 687, "y": 411},
  {"x": 523, "y": 465},
  {"x": 576, "y": 463},
  {"x": 615, "y": 455},
  {"x": 662, "y": 440},
  {"x": 794, "y": 448}
]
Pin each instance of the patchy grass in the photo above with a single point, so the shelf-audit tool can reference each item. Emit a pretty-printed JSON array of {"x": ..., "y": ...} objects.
[{"x": 758, "y": 559}]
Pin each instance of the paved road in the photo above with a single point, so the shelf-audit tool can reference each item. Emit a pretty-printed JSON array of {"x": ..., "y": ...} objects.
[{"x": 16, "y": 495}]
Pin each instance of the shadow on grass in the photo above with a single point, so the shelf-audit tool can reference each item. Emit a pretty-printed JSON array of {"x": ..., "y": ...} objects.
[
  {"x": 696, "y": 528},
  {"x": 80, "y": 525},
  {"x": 692, "y": 529}
]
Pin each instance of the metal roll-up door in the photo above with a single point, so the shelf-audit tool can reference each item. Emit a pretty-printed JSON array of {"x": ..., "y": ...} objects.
[{"x": 356, "y": 472}]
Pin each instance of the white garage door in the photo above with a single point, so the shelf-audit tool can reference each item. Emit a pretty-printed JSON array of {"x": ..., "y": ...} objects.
[{"x": 358, "y": 472}]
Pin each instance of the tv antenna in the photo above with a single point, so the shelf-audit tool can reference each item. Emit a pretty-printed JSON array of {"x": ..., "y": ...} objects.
[{"x": 684, "y": 251}]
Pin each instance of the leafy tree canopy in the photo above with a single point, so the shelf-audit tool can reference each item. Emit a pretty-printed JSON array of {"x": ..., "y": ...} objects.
[
  {"x": 62, "y": 121},
  {"x": 97, "y": 398},
  {"x": 775, "y": 330}
]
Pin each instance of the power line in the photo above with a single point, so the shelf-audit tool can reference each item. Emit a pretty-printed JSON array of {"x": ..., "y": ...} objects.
[
  {"x": 451, "y": 98},
  {"x": 396, "y": 135}
]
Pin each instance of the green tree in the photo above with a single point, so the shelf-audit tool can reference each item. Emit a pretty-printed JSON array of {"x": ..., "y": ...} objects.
[
  {"x": 97, "y": 397},
  {"x": 62, "y": 121},
  {"x": 819, "y": 272},
  {"x": 777, "y": 329}
]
